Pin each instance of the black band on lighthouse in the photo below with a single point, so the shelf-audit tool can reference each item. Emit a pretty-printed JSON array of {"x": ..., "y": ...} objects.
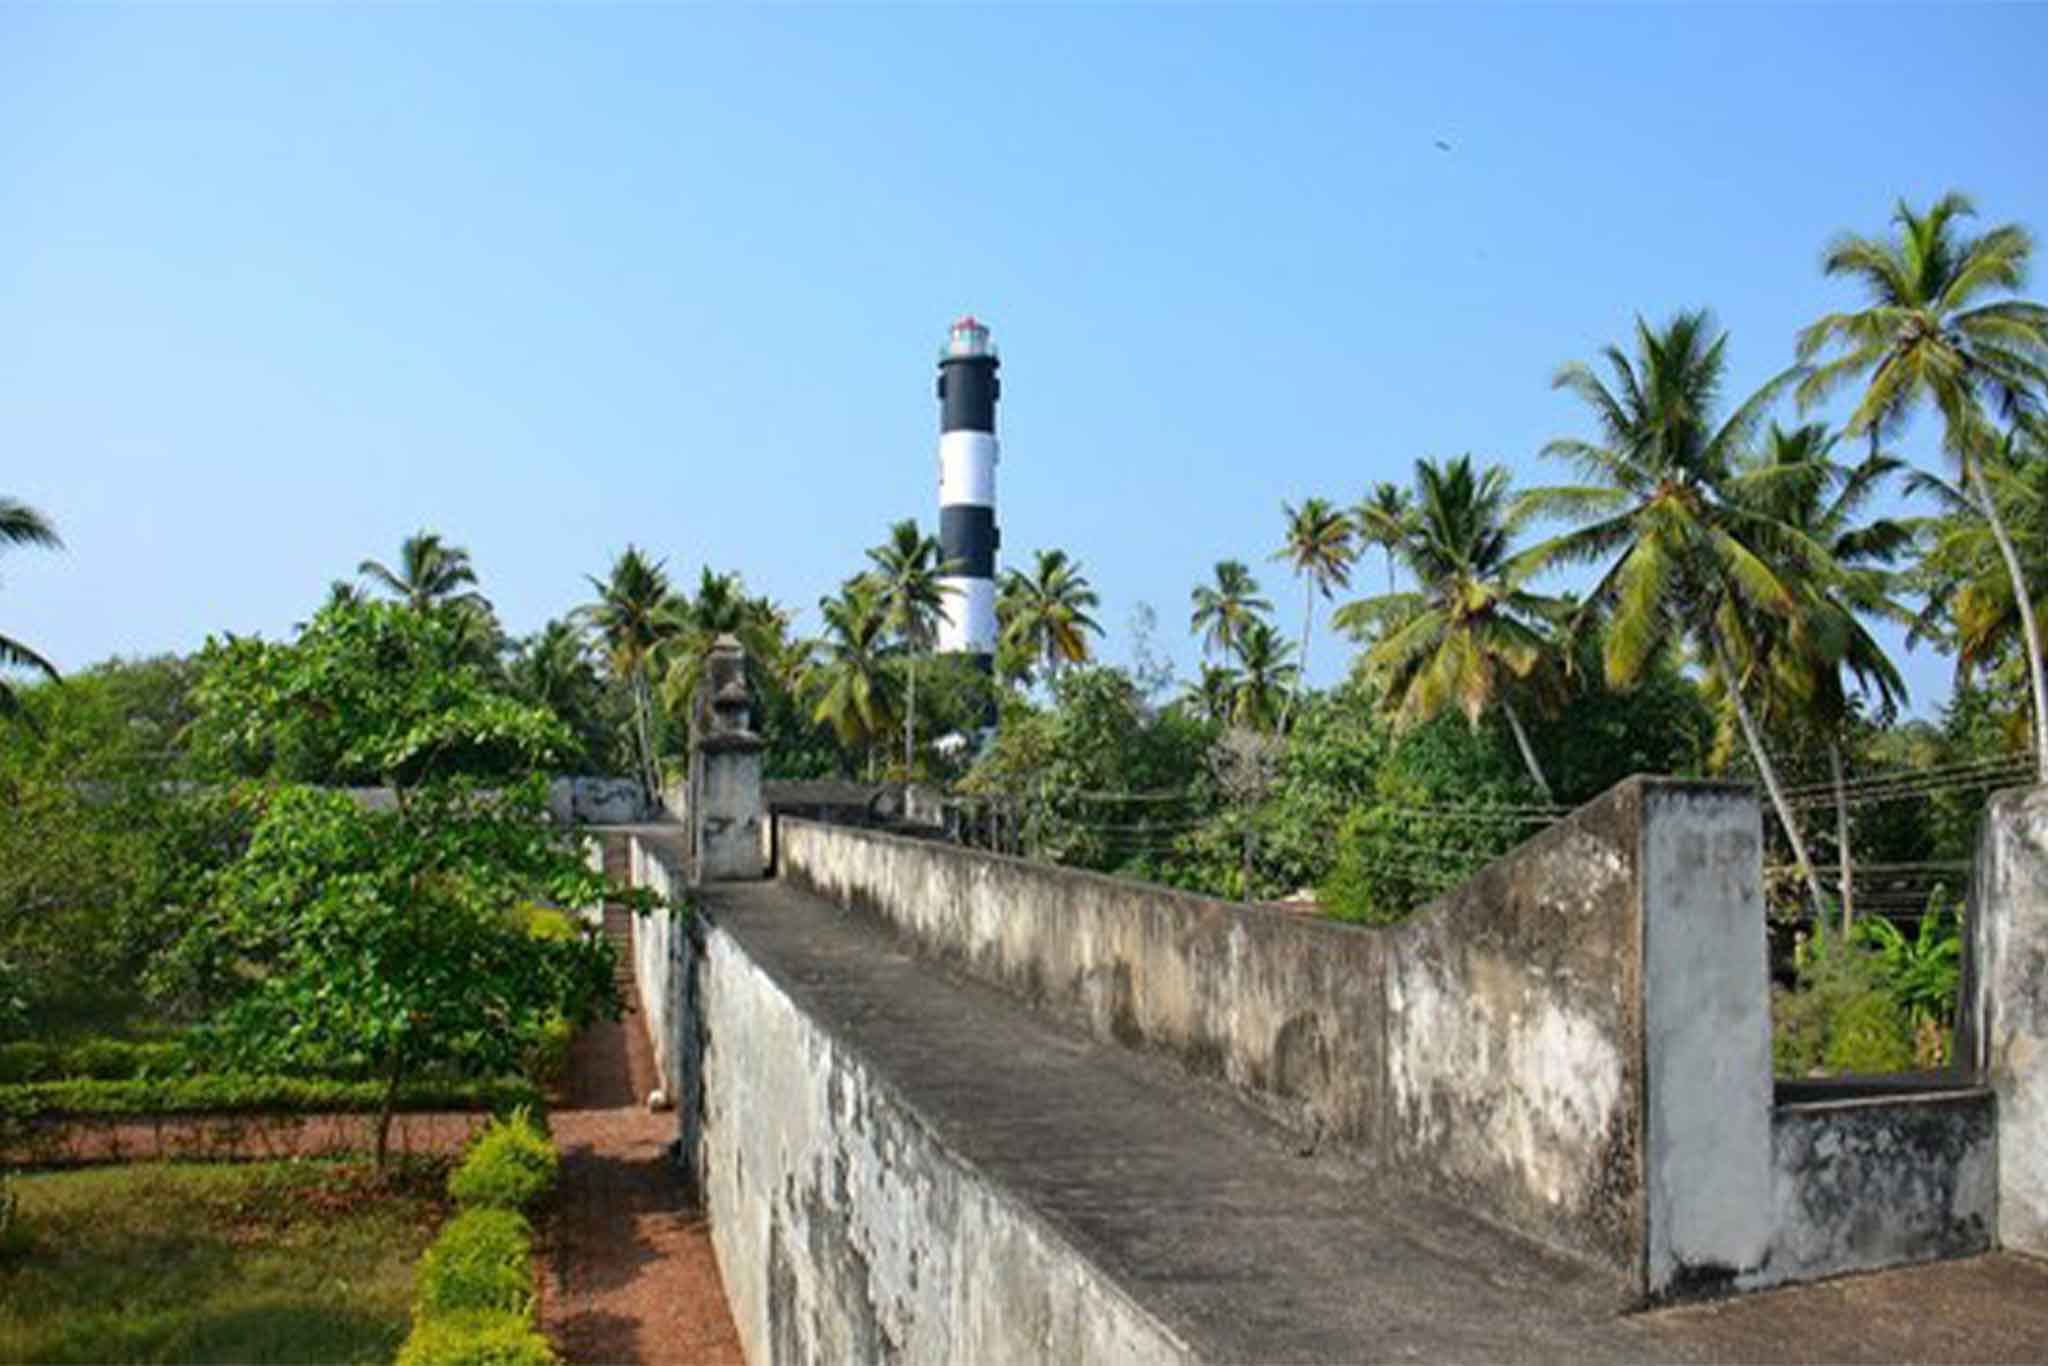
[
  {"x": 967, "y": 533},
  {"x": 968, "y": 390}
]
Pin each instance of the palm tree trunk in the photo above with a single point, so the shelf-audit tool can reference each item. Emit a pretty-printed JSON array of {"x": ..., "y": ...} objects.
[
  {"x": 1769, "y": 773},
  {"x": 1528, "y": 755},
  {"x": 910, "y": 721},
  {"x": 1308, "y": 619},
  {"x": 1842, "y": 837},
  {"x": 2030, "y": 629}
]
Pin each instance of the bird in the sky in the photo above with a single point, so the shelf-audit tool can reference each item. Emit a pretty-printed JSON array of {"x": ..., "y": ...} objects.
[{"x": 1442, "y": 146}]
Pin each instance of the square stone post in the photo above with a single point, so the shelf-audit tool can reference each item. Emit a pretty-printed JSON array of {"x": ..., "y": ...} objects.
[
  {"x": 727, "y": 810},
  {"x": 2002, "y": 1018}
]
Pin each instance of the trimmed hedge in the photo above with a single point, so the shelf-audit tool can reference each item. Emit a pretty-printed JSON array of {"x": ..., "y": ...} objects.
[
  {"x": 477, "y": 1338},
  {"x": 235, "y": 1093},
  {"x": 97, "y": 1059},
  {"x": 509, "y": 1165},
  {"x": 479, "y": 1261},
  {"x": 473, "y": 1304}
]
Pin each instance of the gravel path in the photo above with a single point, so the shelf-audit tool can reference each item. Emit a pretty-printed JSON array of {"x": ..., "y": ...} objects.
[{"x": 629, "y": 1274}]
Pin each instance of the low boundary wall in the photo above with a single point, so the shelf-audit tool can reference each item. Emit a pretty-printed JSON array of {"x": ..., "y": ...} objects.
[
  {"x": 1575, "y": 1042},
  {"x": 848, "y": 1232}
]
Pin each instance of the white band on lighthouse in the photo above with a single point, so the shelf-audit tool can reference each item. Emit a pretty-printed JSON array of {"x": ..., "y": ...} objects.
[
  {"x": 968, "y": 621},
  {"x": 967, "y": 469}
]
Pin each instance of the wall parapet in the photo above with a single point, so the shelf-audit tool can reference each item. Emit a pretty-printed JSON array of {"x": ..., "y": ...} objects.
[{"x": 1531, "y": 1044}]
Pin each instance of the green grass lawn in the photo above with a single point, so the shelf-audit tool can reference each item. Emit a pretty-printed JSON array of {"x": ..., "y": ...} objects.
[{"x": 269, "y": 1262}]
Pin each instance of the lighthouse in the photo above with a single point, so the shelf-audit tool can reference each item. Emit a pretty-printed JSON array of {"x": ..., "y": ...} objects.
[{"x": 968, "y": 389}]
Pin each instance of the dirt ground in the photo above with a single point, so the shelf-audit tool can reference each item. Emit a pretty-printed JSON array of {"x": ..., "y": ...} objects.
[{"x": 628, "y": 1271}]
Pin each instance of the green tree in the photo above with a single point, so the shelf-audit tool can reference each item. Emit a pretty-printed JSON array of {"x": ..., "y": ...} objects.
[
  {"x": 1474, "y": 632},
  {"x": 1970, "y": 608},
  {"x": 1264, "y": 680},
  {"x": 1794, "y": 482},
  {"x": 1320, "y": 549},
  {"x": 431, "y": 574},
  {"x": 1044, "y": 614},
  {"x": 634, "y": 616},
  {"x": 849, "y": 675},
  {"x": 1225, "y": 609},
  {"x": 368, "y": 693},
  {"x": 553, "y": 668},
  {"x": 21, "y": 524},
  {"x": 907, "y": 571},
  {"x": 1681, "y": 554},
  {"x": 403, "y": 939},
  {"x": 1383, "y": 518},
  {"x": 1934, "y": 331}
]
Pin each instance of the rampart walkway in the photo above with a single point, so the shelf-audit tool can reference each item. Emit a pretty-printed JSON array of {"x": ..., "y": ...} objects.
[
  {"x": 1251, "y": 1249},
  {"x": 630, "y": 1275}
]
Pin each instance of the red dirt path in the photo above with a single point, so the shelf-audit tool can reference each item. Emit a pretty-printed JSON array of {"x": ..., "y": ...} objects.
[{"x": 628, "y": 1274}]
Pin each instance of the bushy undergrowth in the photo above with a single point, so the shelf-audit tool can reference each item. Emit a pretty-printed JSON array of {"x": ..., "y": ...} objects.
[
  {"x": 96, "y": 1059},
  {"x": 547, "y": 1057},
  {"x": 510, "y": 1165},
  {"x": 1858, "y": 1008}
]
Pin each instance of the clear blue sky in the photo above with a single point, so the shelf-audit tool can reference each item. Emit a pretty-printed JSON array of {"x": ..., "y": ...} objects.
[{"x": 278, "y": 286}]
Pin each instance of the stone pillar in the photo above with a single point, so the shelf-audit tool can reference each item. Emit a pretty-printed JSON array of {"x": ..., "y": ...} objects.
[
  {"x": 726, "y": 807},
  {"x": 2002, "y": 1018}
]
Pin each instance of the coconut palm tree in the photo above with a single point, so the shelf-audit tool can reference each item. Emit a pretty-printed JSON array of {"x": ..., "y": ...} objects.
[
  {"x": 1793, "y": 481},
  {"x": 430, "y": 573},
  {"x": 907, "y": 571},
  {"x": 1935, "y": 332},
  {"x": 1224, "y": 609},
  {"x": 1681, "y": 555},
  {"x": 1212, "y": 695},
  {"x": 634, "y": 616},
  {"x": 1264, "y": 679},
  {"x": 1473, "y": 631},
  {"x": 1969, "y": 595},
  {"x": 1320, "y": 549},
  {"x": 1382, "y": 518},
  {"x": 849, "y": 673},
  {"x": 720, "y": 607},
  {"x": 1044, "y": 614},
  {"x": 21, "y": 524}
]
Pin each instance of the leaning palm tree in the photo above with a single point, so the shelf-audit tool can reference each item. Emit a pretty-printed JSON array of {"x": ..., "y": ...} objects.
[
  {"x": 21, "y": 524},
  {"x": 1473, "y": 631},
  {"x": 1970, "y": 607},
  {"x": 849, "y": 672},
  {"x": 1382, "y": 518},
  {"x": 1681, "y": 555},
  {"x": 1935, "y": 331},
  {"x": 1264, "y": 680},
  {"x": 430, "y": 573},
  {"x": 634, "y": 616},
  {"x": 1320, "y": 548},
  {"x": 908, "y": 569},
  {"x": 1223, "y": 610},
  {"x": 1793, "y": 481},
  {"x": 1044, "y": 613}
]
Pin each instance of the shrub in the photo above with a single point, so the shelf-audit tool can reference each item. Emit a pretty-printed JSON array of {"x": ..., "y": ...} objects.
[
  {"x": 1842, "y": 1017},
  {"x": 510, "y": 1164},
  {"x": 481, "y": 1260},
  {"x": 547, "y": 1057},
  {"x": 476, "y": 1338},
  {"x": 1869, "y": 1034}
]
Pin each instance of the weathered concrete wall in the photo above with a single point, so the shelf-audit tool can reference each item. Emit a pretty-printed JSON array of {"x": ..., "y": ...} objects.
[
  {"x": 1511, "y": 1045},
  {"x": 1706, "y": 1032},
  {"x": 1879, "y": 1180},
  {"x": 847, "y": 1231},
  {"x": 2002, "y": 1029},
  {"x": 660, "y": 951}
]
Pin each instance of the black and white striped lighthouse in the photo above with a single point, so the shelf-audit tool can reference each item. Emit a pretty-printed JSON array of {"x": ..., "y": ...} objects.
[{"x": 968, "y": 389}]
